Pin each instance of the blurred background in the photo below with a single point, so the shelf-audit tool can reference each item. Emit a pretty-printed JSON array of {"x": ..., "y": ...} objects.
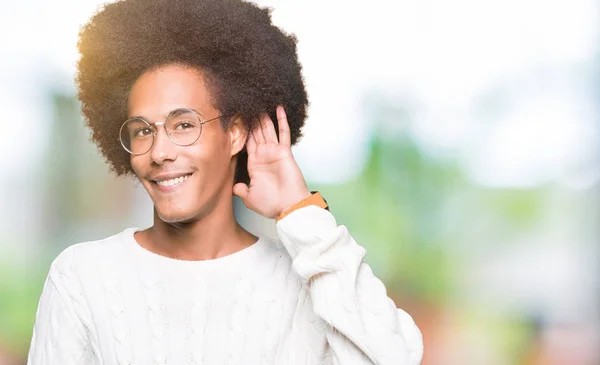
[{"x": 458, "y": 140}]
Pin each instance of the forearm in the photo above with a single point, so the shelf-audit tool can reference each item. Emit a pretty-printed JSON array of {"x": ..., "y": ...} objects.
[{"x": 364, "y": 323}]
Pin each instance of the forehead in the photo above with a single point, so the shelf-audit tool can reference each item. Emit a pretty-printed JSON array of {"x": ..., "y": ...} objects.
[{"x": 161, "y": 90}]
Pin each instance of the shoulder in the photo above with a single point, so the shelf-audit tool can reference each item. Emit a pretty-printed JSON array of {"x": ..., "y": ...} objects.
[
  {"x": 85, "y": 254},
  {"x": 276, "y": 249},
  {"x": 276, "y": 262}
]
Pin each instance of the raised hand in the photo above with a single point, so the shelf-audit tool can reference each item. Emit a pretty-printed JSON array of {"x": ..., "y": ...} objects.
[{"x": 276, "y": 182}]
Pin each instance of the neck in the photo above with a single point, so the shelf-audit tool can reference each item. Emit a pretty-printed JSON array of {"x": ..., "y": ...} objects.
[{"x": 214, "y": 235}]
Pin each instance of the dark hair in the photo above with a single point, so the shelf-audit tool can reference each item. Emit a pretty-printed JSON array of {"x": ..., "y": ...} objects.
[{"x": 250, "y": 65}]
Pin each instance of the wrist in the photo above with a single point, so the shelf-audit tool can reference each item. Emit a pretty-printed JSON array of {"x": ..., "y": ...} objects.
[
  {"x": 313, "y": 198},
  {"x": 293, "y": 200}
]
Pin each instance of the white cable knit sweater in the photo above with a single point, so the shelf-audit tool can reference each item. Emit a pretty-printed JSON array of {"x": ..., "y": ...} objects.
[{"x": 308, "y": 299}]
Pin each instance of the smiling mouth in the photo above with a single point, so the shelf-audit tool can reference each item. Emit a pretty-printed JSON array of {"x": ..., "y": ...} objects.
[{"x": 173, "y": 182}]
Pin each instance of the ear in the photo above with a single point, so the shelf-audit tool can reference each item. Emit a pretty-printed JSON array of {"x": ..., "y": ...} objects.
[{"x": 238, "y": 135}]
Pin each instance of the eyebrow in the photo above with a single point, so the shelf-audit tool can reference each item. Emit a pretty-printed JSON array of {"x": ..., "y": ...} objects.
[{"x": 175, "y": 112}]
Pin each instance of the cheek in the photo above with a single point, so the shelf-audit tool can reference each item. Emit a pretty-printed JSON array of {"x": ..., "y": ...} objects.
[
  {"x": 213, "y": 160},
  {"x": 137, "y": 164}
]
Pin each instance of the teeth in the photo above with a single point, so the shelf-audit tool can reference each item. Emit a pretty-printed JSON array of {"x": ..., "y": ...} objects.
[{"x": 173, "y": 182}]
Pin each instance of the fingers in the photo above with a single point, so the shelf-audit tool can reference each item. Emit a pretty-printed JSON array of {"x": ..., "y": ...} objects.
[
  {"x": 268, "y": 129},
  {"x": 284, "y": 127},
  {"x": 258, "y": 135},
  {"x": 241, "y": 190},
  {"x": 251, "y": 144},
  {"x": 265, "y": 131}
]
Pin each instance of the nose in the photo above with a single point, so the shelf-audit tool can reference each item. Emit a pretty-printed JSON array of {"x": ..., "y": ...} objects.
[{"x": 162, "y": 149}]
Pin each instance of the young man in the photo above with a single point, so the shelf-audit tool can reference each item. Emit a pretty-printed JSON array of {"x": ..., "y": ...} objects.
[{"x": 178, "y": 93}]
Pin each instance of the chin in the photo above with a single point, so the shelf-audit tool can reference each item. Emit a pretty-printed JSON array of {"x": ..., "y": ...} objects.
[{"x": 175, "y": 215}]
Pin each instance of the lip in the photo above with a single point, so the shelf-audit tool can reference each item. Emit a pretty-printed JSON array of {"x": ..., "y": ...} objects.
[
  {"x": 168, "y": 189},
  {"x": 169, "y": 176}
]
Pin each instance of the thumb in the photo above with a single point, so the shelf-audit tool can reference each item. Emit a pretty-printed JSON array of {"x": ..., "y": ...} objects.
[{"x": 241, "y": 190}]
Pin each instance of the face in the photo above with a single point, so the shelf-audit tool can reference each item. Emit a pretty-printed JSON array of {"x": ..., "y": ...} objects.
[{"x": 184, "y": 182}]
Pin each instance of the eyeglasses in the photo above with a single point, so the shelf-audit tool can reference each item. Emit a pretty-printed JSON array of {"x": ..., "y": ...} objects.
[{"x": 183, "y": 127}]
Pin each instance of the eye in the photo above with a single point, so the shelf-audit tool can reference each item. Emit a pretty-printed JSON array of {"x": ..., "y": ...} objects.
[
  {"x": 184, "y": 125},
  {"x": 142, "y": 132}
]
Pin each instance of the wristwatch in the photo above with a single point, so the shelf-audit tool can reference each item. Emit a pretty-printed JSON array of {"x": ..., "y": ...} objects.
[
  {"x": 320, "y": 197},
  {"x": 314, "y": 199}
]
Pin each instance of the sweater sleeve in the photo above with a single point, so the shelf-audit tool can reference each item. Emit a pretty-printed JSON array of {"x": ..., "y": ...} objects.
[
  {"x": 59, "y": 336},
  {"x": 364, "y": 325}
]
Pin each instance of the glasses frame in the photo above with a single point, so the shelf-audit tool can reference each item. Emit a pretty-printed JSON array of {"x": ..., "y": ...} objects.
[{"x": 154, "y": 128}]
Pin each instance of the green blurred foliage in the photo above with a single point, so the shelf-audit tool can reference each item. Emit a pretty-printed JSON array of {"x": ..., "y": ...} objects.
[
  {"x": 20, "y": 288},
  {"x": 393, "y": 209}
]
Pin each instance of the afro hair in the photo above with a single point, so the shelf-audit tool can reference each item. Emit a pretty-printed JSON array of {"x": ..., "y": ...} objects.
[{"x": 249, "y": 64}]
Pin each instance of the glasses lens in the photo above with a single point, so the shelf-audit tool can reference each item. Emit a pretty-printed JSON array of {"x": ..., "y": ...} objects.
[
  {"x": 184, "y": 127},
  {"x": 136, "y": 136}
]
